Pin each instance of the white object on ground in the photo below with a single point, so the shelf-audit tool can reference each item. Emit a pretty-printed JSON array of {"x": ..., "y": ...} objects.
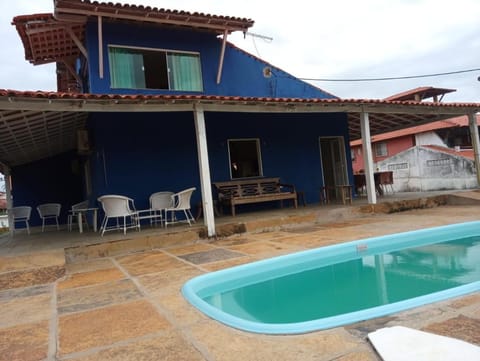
[{"x": 405, "y": 344}]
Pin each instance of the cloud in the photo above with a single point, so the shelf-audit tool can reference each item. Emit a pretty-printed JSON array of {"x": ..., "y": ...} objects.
[{"x": 331, "y": 39}]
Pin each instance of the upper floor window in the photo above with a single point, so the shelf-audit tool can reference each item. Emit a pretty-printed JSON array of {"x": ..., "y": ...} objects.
[
  {"x": 245, "y": 159},
  {"x": 139, "y": 68},
  {"x": 381, "y": 149}
]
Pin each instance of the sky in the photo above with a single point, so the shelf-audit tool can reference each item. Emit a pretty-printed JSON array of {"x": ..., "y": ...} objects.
[{"x": 342, "y": 39}]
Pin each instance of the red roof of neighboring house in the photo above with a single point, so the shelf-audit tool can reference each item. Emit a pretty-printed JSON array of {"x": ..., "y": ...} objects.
[
  {"x": 468, "y": 153},
  {"x": 3, "y": 200},
  {"x": 420, "y": 93},
  {"x": 461, "y": 121}
]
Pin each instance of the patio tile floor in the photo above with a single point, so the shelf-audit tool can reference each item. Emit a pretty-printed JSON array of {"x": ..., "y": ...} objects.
[
  {"x": 27, "y": 342},
  {"x": 108, "y": 325},
  {"x": 130, "y": 307},
  {"x": 212, "y": 255}
]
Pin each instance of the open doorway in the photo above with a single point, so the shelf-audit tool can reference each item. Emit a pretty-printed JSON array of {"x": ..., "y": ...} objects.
[{"x": 334, "y": 163}]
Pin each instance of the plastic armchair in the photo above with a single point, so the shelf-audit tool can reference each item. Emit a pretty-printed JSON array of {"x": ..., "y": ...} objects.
[
  {"x": 180, "y": 203},
  {"x": 118, "y": 207},
  {"x": 160, "y": 201},
  {"x": 22, "y": 214},
  {"x": 48, "y": 211},
  {"x": 72, "y": 216}
]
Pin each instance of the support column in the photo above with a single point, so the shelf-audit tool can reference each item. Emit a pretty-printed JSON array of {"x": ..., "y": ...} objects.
[
  {"x": 100, "y": 47},
  {"x": 368, "y": 158},
  {"x": 203, "y": 163},
  {"x": 8, "y": 193},
  {"x": 222, "y": 56},
  {"x": 472, "y": 122}
]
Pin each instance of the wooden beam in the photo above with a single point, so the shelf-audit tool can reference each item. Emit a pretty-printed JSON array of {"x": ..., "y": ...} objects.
[
  {"x": 77, "y": 41},
  {"x": 72, "y": 71}
]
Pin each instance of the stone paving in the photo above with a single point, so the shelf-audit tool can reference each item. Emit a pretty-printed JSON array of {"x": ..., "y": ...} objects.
[{"x": 129, "y": 307}]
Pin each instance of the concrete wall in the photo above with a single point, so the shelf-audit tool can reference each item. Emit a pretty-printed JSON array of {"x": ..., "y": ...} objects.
[
  {"x": 422, "y": 169},
  {"x": 429, "y": 138}
]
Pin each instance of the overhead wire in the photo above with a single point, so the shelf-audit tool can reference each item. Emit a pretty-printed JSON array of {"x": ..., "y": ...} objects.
[{"x": 395, "y": 77}]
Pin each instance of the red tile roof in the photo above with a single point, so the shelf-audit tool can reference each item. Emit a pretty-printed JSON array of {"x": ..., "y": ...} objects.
[
  {"x": 420, "y": 93},
  {"x": 60, "y": 113},
  {"x": 49, "y": 38},
  {"x": 225, "y": 98},
  {"x": 461, "y": 121},
  {"x": 466, "y": 153},
  {"x": 3, "y": 200},
  {"x": 80, "y": 9}
]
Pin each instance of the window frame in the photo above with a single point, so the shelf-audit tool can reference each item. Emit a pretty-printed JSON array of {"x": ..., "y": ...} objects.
[
  {"x": 381, "y": 149},
  {"x": 259, "y": 157},
  {"x": 168, "y": 71}
]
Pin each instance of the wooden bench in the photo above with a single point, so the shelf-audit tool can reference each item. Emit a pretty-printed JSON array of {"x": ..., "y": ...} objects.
[{"x": 254, "y": 191}]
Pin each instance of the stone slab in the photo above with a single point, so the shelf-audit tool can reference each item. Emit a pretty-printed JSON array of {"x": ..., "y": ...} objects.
[
  {"x": 170, "y": 346},
  {"x": 27, "y": 342},
  {"x": 148, "y": 262},
  {"x": 90, "y": 278},
  {"x": 209, "y": 256},
  {"x": 108, "y": 325},
  {"x": 85, "y": 298}
]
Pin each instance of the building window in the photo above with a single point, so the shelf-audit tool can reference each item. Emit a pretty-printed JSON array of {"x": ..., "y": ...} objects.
[
  {"x": 245, "y": 159},
  {"x": 138, "y": 68},
  {"x": 381, "y": 149}
]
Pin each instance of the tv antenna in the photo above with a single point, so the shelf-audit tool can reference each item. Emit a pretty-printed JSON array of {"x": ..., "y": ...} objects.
[{"x": 259, "y": 36}]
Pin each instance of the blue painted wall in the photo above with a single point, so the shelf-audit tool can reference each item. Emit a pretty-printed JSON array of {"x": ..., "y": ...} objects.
[
  {"x": 136, "y": 154},
  {"x": 242, "y": 73},
  {"x": 289, "y": 144},
  {"x": 53, "y": 180},
  {"x": 139, "y": 154}
]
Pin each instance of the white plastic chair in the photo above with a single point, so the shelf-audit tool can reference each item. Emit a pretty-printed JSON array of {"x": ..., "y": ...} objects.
[
  {"x": 72, "y": 216},
  {"x": 180, "y": 203},
  {"x": 22, "y": 214},
  {"x": 48, "y": 211},
  {"x": 118, "y": 207},
  {"x": 160, "y": 201}
]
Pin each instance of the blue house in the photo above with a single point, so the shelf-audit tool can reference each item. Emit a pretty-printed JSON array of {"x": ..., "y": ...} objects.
[{"x": 152, "y": 99}]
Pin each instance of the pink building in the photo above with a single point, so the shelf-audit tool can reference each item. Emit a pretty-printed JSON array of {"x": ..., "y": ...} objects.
[{"x": 451, "y": 133}]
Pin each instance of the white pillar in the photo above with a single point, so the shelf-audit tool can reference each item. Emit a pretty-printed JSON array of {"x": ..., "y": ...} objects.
[
  {"x": 472, "y": 122},
  {"x": 368, "y": 158},
  {"x": 206, "y": 185},
  {"x": 8, "y": 193}
]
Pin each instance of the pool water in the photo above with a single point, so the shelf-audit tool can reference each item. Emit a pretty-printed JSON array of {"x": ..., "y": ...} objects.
[
  {"x": 345, "y": 283},
  {"x": 354, "y": 285}
]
